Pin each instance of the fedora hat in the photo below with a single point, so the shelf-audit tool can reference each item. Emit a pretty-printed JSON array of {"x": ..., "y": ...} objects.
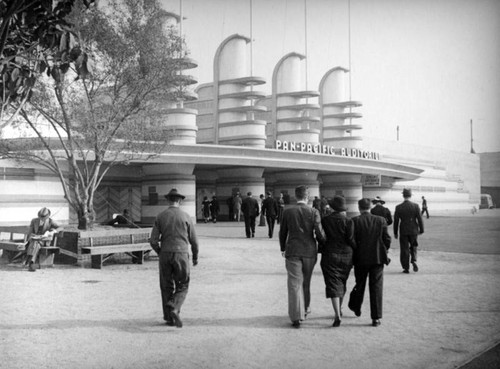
[
  {"x": 338, "y": 203},
  {"x": 174, "y": 194},
  {"x": 43, "y": 212},
  {"x": 378, "y": 200},
  {"x": 406, "y": 192}
]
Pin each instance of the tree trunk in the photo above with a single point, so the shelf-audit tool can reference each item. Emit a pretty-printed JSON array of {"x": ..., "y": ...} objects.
[{"x": 82, "y": 222}]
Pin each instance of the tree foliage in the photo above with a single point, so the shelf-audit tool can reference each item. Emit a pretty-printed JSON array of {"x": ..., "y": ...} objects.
[
  {"x": 35, "y": 37},
  {"x": 83, "y": 125}
]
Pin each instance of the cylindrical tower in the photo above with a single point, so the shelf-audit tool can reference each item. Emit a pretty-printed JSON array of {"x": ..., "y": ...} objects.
[
  {"x": 293, "y": 118},
  {"x": 336, "y": 111},
  {"x": 180, "y": 124},
  {"x": 234, "y": 96}
]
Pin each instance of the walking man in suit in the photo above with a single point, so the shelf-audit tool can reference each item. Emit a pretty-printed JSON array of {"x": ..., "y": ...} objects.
[
  {"x": 408, "y": 224},
  {"x": 299, "y": 226},
  {"x": 172, "y": 235},
  {"x": 372, "y": 241},
  {"x": 270, "y": 210},
  {"x": 424, "y": 207},
  {"x": 380, "y": 210},
  {"x": 250, "y": 209}
]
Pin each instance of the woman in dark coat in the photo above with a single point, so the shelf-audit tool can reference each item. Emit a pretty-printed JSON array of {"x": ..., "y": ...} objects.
[{"x": 336, "y": 258}]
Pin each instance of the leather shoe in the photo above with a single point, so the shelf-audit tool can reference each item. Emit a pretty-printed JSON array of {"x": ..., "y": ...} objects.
[
  {"x": 336, "y": 322},
  {"x": 176, "y": 318},
  {"x": 357, "y": 312},
  {"x": 376, "y": 322},
  {"x": 415, "y": 267},
  {"x": 31, "y": 267},
  {"x": 406, "y": 271},
  {"x": 296, "y": 324}
]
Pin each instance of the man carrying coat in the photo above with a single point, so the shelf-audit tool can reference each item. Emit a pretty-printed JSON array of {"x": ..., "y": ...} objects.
[
  {"x": 409, "y": 224},
  {"x": 372, "y": 241}
]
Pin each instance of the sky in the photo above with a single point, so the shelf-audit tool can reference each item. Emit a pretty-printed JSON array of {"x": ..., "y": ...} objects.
[{"x": 429, "y": 67}]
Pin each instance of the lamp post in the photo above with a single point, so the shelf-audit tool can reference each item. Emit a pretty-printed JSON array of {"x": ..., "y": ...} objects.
[{"x": 471, "y": 139}]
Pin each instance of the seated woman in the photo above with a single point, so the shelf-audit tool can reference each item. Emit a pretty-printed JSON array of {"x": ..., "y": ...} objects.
[{"x": 42, "y": 230}]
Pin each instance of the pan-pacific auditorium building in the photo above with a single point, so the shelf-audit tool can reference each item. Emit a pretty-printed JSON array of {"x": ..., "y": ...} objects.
[{"x": 230, "y": 137}]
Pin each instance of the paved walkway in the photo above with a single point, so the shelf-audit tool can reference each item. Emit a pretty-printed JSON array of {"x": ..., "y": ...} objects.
[{"x": 235, "y": 316}]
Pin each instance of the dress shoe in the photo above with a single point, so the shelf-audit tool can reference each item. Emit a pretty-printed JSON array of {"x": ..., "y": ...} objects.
[
  {"x": 176, "y": 319},
  {"x": 357, "y": 312},
  {"x": 253, "y": 235},
  {"x": 296, "y": 324},
  {"x": 31, "y": 267},
  {"x": 336, "y": 322},
  {"x": 406, "y": 271},
  {"x": 415, "y": 267},
  {"x": 376, "y": 322}
]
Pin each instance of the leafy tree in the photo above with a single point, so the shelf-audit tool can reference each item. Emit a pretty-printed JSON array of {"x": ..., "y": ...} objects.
[
  {"x": 35, "y": 37},
  {"x": 85, "y": 124}
]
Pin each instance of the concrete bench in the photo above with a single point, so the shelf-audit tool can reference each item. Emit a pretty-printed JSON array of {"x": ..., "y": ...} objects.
[
  {"x": 15, "y": 246},
  {"x": 99, "y": 254}
]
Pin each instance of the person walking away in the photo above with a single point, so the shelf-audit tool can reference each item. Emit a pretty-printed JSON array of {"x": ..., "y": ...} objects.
[
  {"x": 408, "y": 224},
  {"x": 205, "y": 209},
  {"x": 270, "y": 209},
  {"x": 172, "y": 235},
  {"x": 336, "y": 254},
  {"x": 299, "y": 231},
  {"x": 262, "y": 220},
  {"x": 372, "y": 242},
  {"x": 380, "y": 210},
  {"x": 281, "y": 207},
  {"x": 317, "y": 204},
  {"x": 214, "y": 209},
  {"x": 237, "y": 207},
  {"x": 229, "y": 203},
  {"x": 424, "y": 207},
  {"x": 250, "y": 209},
  {"x": 41, "y": 232}
]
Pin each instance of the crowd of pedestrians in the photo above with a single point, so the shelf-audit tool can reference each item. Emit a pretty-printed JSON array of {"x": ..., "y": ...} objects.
[{"x": 361, "y": 243}]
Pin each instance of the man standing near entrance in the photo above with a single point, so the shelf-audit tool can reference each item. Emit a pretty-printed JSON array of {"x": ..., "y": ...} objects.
[
  {"x": 250, "y": 209},
  {"x": 408, "y": 224},
  {"x": 173, "y": 232},
  {"x": 299, "y": 226},
  {"x": 270, "y": 210}
]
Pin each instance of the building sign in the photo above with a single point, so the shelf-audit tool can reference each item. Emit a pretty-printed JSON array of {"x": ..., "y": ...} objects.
[
  {"x": 325, "y": 149},
  {"x": 370, "y": 180}
]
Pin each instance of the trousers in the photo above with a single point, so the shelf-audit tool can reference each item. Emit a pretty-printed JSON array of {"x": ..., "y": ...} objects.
[
  {"x": 174, "y": 280},
  {"x": 408, "y": 247},
  {"x": 299, "y": 272},
  {"x": 270, "y": 225},
  {"x": 375, "y": 275},
  {"x": 249, "y": 225}
]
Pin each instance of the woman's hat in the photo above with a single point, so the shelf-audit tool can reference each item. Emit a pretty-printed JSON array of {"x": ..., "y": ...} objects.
[
  {"x": 378, "y": 200},
  {"x": 174, "y": 194},
  {"x": 338, "y": 203}
]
